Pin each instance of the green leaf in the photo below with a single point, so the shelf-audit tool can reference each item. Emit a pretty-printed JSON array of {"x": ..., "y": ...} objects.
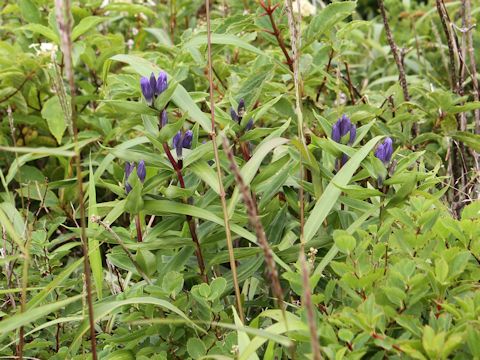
[
  {"x": 147, "y": 261},
  {"x": 469, "y": 139},
  {"x": 327, "y": 18},
  {"x": 134, "y": 201},
  {"x": 172, "y": 283},
  {"x": 249, "y": 170},
  {"x": 196, "y": 348},
  {"x": 330, "y": 196},
  {"x": 223, "y": 39},
  {"x": 29, "y": 10},
  {"x": 86, "y": 24},
  {"x": 53, "y": 113},
  {"x": 130, "y": 107},
  {"x": 42, "y": 30},
  {"x": 24, "y": 318},
  {"x": 107, "y": 307},
  {"x": 344, "y": 241},
  {"x": 180, "y": 97}
]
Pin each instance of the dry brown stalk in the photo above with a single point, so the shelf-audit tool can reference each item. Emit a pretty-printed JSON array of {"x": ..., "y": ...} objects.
[
  {"x": 396, "y": 56},
  {"x": 257, "y": 225},
  {"x": 213, "y": 136},
  {"x": 63, "y": 14},
  {"x": 295, "y": 38}
]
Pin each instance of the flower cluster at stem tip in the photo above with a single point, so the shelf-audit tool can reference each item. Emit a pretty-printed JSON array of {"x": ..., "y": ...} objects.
[
  {"x": 342, "y": 127},
  {"x": 152, "y": 87}
]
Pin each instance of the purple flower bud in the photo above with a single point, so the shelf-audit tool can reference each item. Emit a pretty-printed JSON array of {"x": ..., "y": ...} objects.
[
  {"x": 163, "y": 118},
  {"x": 344, "y": 159},
  {"x": 345, "y": 124},
  {"x": 336, "y": 132},
  {"x": 129, "y": 166},
  {"x": 177, "y": 143},
  {"x": 234, "y": 115},
  {"x": 141, "y": 171},
  {"x": 385, "y": 150},
  {"x": 187, "y": 139},
  {"x": 353, "y": 134},
  {"x": 153, "y": 82},
  {"x": 249, "y": 124},
  {"x": 147, "y": 90},
  {"x": 241, "y": 108},
  {"x": 161, "y": 83}
]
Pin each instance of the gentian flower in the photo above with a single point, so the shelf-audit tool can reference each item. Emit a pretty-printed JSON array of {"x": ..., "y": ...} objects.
[
  {"x": 182, "y": 140},
  {"x": 163, "y": 118},
  {"x": 129, "y": 166},
  {"x": 152, "y": 87},
  {"x": 385, "y": 150},
  {"x": 342, "y": 127},
  {"x": 141, "y": 171},
  {"x": 147, "y": 90},
  {"x": 161, "y": 83}
]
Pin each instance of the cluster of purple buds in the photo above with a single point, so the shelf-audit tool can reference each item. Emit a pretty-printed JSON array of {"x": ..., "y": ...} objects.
[
  {"x": 342, "y": 127},
  {"x": 385, "y": 150},
  {"x": 141, "y": 173},
  {"x": 238, "y": 115},
  {"x": 152, "y": 87},
  {"x": 182, "y": 140}
]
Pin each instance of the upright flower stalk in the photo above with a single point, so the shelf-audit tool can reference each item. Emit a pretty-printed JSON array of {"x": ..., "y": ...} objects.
[{"x": 151, "y": 88}]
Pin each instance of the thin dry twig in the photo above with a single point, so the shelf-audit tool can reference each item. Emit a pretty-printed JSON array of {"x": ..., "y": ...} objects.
[
  {"x": 63, "y": 14},
  {"x": 213, "y": 136},
  {"x": 257, "y": 225},
  {"x": 401, "y": 70},
  {"x": 295, "y": 36}
]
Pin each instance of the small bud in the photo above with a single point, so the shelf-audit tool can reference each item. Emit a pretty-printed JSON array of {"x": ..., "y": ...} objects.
[
  {"x": 336, "y": 132},
  {"x": 141, "y": 171},
  {"x": 345, "y": 125},
  {"x": 249, "y": 124},
  {"x": 241, "y": 108},
  {"x": 234, "y": 115},
  {"x": 153, "y": 82},
  {"x": 162, "y": 83},
  {"x": 129, "y": 166},
  {"x": 353, "y": 134},
  {"x": 177, "y": 143},
  {"x": 147, "y": 90},
  {"x": 187, "y": 139},
  {"x": 163, "y": 118}
]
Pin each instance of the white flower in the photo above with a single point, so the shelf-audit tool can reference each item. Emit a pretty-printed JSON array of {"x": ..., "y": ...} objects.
[
  {"x": 306, "y": 7},
  {"x": 44, "y": 48}
]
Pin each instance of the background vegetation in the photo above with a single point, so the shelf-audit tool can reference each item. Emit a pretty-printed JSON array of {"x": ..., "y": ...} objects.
[{"x": 280, "y": 233}]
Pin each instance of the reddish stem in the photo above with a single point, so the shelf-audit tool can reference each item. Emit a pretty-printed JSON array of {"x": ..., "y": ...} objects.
[
  {"x": 139, "y": 228},
  {"x": 191, "y": 224},
  {"x": 269, "y": 9}
]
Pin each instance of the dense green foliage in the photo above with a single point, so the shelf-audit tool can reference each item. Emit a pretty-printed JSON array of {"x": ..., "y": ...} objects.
[{"x": 392, "y": 246}]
